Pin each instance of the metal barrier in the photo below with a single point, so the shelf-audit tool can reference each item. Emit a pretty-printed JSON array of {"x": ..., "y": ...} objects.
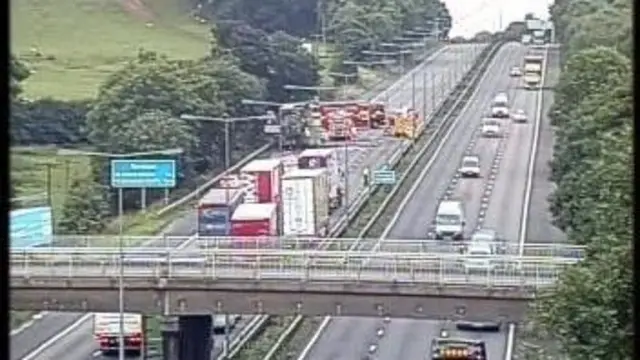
[
  {"x": 310, "y": 266},
  {"x": 169, "y": 243}
]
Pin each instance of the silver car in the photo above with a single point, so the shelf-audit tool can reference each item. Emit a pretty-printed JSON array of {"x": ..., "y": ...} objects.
[
  {"x": 490, "y": 236},
  {"x": 470, "y": 166},
  {"x": 519, "y": 116}
]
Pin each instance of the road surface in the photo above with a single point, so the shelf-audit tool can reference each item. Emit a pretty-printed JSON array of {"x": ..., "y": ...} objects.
[
  {"x": 347, "y": 338},
  {"x": 439, "y": 72},
  {"x": 541, "y": 229}
]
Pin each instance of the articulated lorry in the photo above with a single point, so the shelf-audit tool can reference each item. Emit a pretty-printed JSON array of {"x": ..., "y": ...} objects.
[{"x": 532, "y": 71}]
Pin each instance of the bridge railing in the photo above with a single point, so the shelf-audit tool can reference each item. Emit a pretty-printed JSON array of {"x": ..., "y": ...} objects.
[
  {"x": 309, "y": 266},
  {"x": 100, "y": 243}
]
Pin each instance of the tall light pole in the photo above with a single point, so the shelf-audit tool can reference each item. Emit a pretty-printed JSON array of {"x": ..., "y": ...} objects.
[
  {"x": 371, "y": 63},
  {"x": 344, "y": 77},
  {"x": 316, "y": 89},
  {"x": 227, "y": 121},
  {"x": 69, "y": 152},
  {"x": 402, "y": 54}
]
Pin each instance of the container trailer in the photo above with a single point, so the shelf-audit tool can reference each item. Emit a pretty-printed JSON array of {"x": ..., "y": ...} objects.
[
  {"x": 215, "y": 209},
  {"x": 267, "y": 173},
  {"x": 305, "y": 202}
]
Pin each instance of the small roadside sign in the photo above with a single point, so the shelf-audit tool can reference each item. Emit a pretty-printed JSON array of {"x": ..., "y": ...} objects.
[
  {"x": 272, "y": 129},
  {"x": 384, "y": 176}
]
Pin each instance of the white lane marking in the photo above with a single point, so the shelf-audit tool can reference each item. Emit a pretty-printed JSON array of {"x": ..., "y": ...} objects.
[
  {"x": 312, "y": 342},
  {"x": 97, "y": 353},
  {"x": 434, "y": 157},
  {"x": 29, "y": 323},
  {"x": 511, "y": 337},
  {"x": 532, "y": 161},
  {"x": 32, "y": 355}
]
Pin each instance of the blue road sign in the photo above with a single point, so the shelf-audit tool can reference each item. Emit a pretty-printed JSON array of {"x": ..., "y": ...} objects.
[
  {"x": 384, "y": 176},
  {"x": 137, "y": 174},
  {"x": 30, "y": 227}
]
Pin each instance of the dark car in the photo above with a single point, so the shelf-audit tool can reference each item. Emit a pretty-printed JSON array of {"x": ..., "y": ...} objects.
[{"x": 485, "y": 326}]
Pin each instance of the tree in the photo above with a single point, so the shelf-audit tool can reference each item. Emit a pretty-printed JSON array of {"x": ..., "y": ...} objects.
[
  {"x": 584, "y": 74},
  {"x": 139, "y": 109},
  {"x": 589, "y": 311},
  {"x": 278, "y": 59},
  {"x": 295, "y": 17},
  {"x": 18, "y": 72},
  {"x": 85, "y": 209}
]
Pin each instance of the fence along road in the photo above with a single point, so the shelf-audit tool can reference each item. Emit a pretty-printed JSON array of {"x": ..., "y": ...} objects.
[
  {"x": 347, "y": 338},
  {"x": 78, "y": 344}
]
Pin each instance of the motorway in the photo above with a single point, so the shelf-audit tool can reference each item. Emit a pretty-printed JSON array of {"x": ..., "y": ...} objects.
[
  {"x": 441, "y": 65},
  {"x": 494, "y": 200}
]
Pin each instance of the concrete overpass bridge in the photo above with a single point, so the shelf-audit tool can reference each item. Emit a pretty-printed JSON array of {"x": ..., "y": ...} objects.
[{"x": 277, "y": 281}]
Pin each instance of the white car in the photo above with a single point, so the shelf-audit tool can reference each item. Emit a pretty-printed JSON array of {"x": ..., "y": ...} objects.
[
  {"x": 519, "y": 116},
  {"x": 470, "y": 166},
  {"x": 490, "y": 128},
  {"x": 515, "y": 72},
  {"x": 479, "y": 258}
]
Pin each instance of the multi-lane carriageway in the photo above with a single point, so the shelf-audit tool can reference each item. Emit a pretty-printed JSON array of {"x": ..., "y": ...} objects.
[
  {"x": 68, "y": 335},
  {"x": 450, "y": 274},
  {"x": 499, "y": 199}
]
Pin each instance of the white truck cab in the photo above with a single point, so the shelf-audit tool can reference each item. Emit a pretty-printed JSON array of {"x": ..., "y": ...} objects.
[{"x": 450, "y": 220}]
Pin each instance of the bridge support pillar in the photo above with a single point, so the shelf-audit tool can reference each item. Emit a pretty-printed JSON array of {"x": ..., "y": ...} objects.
[
  {"x": 170, "y": 339},
  {"x": 196, "y": 341}
]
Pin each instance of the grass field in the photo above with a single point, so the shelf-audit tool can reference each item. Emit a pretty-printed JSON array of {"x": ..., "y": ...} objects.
[
  {"x": 72, "y": 45},
  {"x": 29, "y": 174}
]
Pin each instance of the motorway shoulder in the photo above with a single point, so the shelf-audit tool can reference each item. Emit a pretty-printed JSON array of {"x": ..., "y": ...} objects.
[{"x": 540, "y": 227}]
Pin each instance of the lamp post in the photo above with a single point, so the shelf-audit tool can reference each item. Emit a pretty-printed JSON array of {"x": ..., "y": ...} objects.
[
  {"x": 227, "y": 121},
  {"x": 344, "y": 76},
  {"x": 70, "y": 152},
  {"x": 316, "y": 89}
]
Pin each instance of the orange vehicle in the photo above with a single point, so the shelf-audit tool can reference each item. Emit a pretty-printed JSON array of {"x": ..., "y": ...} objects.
[
  {"x": 362, "y": 114},
  {"x": 339, "y": 125}
]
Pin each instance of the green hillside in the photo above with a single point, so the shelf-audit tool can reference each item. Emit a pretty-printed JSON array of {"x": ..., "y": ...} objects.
[{"x": 72, "y": 45}]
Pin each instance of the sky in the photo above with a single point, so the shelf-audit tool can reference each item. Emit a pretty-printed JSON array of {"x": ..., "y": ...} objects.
[{"x": 473, "y": 16}]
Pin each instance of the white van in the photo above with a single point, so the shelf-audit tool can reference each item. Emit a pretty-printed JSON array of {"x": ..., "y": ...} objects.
[{"x": 450, "y": 220}]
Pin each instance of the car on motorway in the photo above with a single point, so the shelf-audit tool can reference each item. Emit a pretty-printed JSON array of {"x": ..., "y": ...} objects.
[
  {"x": 450, "y": 220},
  {"x": 490, "y": 128},
  {"x": 489, "y": 236},
  {"x": 500, "y": 106},
  {"x": 468, "y": 325},
  {"x": 470, "y": 166},
  {"x": 479, "y": 259},
  {"x": 515, "y": 72},
  {"x": 519, "y": 116},
  {"x": 458, "y": 348}
]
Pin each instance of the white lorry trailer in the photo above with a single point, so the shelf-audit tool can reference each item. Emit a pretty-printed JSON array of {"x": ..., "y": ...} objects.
[{"x": 106, "y": 330}]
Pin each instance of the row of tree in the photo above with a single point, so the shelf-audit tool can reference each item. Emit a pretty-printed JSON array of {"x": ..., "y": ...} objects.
[
  {"x": 252, "y": 56},
  {"x": 589, "y": 313}
]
